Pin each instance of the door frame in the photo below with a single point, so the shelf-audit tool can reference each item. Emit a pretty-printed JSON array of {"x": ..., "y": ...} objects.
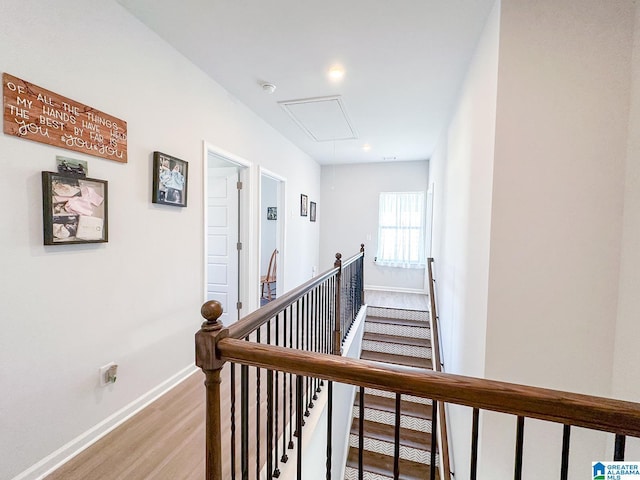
[
  {"x": 248, "y": 254},
  {"x": 282, "y": 221}
]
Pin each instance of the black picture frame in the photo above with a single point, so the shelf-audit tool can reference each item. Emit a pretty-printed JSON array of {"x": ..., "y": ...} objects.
[
  {"x": 74, "y": 209},
  {"x": 312, "y": 211},
  {"x": 304, "y": 202},
  {"x": 170, "y": 180}
]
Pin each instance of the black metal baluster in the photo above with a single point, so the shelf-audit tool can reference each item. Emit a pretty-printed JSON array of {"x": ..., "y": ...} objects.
[
  {"x": 233, "y": 421},
  {"x": 329, "y": 428},
  {"x": 434, "y": 439},
  {"x": 316, "y": 322},
  {"x": 269, "y": 424},
  {"x": 564, "y": 467},
  {"x": 328, "y": 315},
  {"x": 361, "y": 436},
  {"x": 474, "y": 444},
  {"x": 298, "y": 333},
  {"x": 323, "y": 317},
  {"x": 308, "y": 380},
  {"x": 352, "y": 294},
  {"x": 343, "y": 305},
  {"x": 396, "y": 444},
  {"x": 244, "y": 422},
  {"x": 276, "y": 471},
  {"x": 618, "y": 448},
  {"x": 257, "y": 430},
  {"x": 291, "y": 379},
  {"x": 519, "y": 449},
  {"x": 285, "y": 457},
  {"x": 269, "y": 413},
  {"x": 299, "y": 345},
  {"x": 300, "y": 423}
]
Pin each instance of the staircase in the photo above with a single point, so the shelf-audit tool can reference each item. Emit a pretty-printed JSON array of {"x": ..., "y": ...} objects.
[{"x": 400, "y": 337}]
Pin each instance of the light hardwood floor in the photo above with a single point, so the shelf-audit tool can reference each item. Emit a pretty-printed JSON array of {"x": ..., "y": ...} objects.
[
  {"x": 166, "y": 439},
  {"x": 163, "y": 441}
]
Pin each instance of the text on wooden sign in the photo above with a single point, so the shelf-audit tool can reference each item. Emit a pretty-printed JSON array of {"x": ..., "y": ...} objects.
[{"x": 33, "y": 113}]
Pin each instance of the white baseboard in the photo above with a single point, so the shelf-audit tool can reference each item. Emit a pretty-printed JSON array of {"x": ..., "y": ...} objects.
[
  {"x": 378, "y": 288},
  {"x": 65, "y": 453}
]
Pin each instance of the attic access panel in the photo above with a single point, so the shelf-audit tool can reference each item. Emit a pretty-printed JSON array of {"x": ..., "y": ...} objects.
[{"x": 324, "y": 119}]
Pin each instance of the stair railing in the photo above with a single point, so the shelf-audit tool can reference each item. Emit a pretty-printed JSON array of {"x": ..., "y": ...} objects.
[
  {"x": 298, "y": 354},
  {"x": 314, "y": 317},
  {"x": 438, "y": 364}
]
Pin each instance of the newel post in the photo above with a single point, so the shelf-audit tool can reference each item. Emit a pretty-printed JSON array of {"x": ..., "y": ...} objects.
[
  {"x": 210, "y": 333},
  {"x": 337, "y": 334}
]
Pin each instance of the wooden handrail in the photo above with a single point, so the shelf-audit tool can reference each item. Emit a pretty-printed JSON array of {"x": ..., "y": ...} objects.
[
  {"x": 433, "y": 320},
  {"x": 597, "y": 413},
  {"x": 437, "y": 366}
]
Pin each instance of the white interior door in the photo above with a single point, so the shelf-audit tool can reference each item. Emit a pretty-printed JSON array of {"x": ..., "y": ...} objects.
[{"x": 222, "y": 240}]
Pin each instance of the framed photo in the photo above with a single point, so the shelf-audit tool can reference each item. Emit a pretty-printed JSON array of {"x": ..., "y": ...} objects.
[
  {"x": 170, "y": 176},
  {"x": 74, "y": 209},
  {"x": 71, "y": 166},
  {"x": 303, "y": 205},
  {"x": 312, "y": 211},
  {"x": 272, "y": 213}
]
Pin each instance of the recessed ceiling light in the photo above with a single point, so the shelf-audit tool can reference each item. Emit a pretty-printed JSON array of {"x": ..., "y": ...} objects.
[
  {"x": 366, "y": 147},
  {"x": 336, "y": 72}
]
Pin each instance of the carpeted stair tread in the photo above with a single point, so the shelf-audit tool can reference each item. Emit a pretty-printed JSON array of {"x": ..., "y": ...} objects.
[
  {"x": 381, "y": 337},
  {"x": 396, "y": 359},
  {"x": 383, "y": 465},
  {"x": 398, "y": 321},
  {"x": 386, "y": 433},
  {"x": 385, "y": 404}
]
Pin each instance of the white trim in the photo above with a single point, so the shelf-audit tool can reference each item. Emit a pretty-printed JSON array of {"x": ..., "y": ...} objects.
[
  {"x": 209, "y": 147},
  {"x": 355, "y": 335},
  {"x": 353, "y": 332},
  {"x": 65, "y": 453},
  {"x": 270, "y": 174}
]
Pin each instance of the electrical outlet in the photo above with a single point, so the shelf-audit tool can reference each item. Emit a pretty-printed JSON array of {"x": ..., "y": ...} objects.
[{"x": 108, "y": 374}]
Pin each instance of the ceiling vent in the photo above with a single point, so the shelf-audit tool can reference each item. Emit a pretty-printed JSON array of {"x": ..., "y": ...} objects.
[{"x": 322, "y": 118}]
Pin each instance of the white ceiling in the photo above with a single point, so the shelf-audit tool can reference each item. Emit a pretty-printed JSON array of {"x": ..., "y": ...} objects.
[{"x": 404, "y": 63}]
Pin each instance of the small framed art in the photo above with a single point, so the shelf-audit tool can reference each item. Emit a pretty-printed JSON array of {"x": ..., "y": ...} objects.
[
  {"x": 74, "y": 209},
  {"x": 312, "y": 211},
  {"x": 272, "y": 213},
  {"x": 170, "y": 179},
  {"x": 303, "y": 205}
]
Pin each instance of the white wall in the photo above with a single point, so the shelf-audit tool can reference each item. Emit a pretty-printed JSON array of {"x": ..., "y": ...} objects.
[
  {"x": 542, "y": 210},
  {"x": 556, "y": 220},
  {"x": 67, "y": 310},
  {"x": 626, "y": 365},
  {"x": 350, "y": 196},
  {"x": 461, "y": 171}
]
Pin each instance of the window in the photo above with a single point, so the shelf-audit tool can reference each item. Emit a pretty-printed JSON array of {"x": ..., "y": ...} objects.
[{"x": 401, "y": 230}]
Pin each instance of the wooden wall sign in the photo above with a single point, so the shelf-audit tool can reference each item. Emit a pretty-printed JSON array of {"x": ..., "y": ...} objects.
[{"x": 37, "y": 114}]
